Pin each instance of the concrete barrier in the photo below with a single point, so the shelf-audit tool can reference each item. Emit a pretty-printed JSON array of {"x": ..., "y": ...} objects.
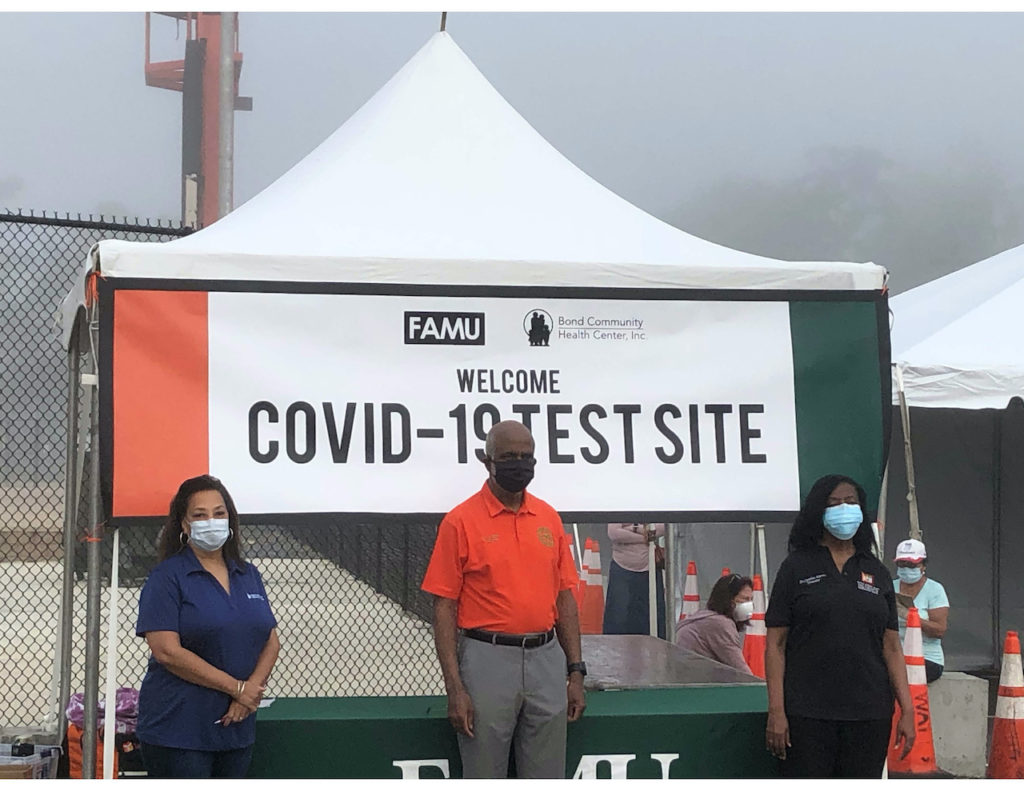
[{"x": 959, "y": 710}]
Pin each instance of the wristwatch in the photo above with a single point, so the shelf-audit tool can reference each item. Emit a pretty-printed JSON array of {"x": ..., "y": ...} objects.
[{"x": 576, "y": 667}]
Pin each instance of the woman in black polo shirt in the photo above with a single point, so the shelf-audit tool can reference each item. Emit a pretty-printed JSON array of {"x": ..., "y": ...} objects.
[{"x": 833, "y": 659}]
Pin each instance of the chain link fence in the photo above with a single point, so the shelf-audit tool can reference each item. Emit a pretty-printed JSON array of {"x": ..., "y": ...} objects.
[{"x": 352, "y": 619}]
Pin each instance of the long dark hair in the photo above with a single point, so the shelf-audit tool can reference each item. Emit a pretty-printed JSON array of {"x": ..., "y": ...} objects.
[
  {"x": 808, "y": 526},
  {"x": 172, "y": 537},
  {"x": 725, "y": 590}
]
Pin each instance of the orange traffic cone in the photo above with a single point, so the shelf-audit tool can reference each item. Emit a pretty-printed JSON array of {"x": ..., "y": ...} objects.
[
  {"x": 725, "y": 571},
  {"x": 920, "y": 761},
  {"x": 756, "y": 636},
  {"x": 691, "y": 600},
  {"x": 592, "y": 612},
  {"x": 1006, "y": 753}
]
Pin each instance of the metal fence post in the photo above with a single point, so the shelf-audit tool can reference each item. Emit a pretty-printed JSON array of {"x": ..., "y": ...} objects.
[
  {"x": 92, "y": 608},
  {"x": 70, "y": 521}
]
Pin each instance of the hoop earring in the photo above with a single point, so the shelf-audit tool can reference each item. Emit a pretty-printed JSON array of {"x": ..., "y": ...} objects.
[
  {"x": 182, "y": 538},
  {"x": 231, "y": 533}
]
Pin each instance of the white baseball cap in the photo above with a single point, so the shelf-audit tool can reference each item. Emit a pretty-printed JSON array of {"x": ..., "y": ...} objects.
[{"x": 911, "y": 549}]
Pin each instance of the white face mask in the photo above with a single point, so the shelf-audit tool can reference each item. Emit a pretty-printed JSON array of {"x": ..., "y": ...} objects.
[
  {"x": 742, "y": 611},
  {"x": 209, "y": 534}
]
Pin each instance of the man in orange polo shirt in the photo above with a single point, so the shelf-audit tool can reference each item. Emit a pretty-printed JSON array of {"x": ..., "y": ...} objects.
[{"x": 502, "y": 578}]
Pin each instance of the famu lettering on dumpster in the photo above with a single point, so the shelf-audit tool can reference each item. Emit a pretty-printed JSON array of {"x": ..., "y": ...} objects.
[{"x": 590, "y": 767}]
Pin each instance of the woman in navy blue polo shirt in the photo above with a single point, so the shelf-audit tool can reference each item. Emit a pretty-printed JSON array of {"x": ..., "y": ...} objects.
[
  {"x": 833, "y": 660},
  {"x": 205, "y": 615}
]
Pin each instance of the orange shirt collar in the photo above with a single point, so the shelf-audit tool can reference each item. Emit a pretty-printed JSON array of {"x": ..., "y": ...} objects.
[{"x": 496, "y": 506}]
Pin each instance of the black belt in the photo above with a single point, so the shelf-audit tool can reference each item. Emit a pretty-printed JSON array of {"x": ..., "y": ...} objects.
[{"x": 534, "y": 640}]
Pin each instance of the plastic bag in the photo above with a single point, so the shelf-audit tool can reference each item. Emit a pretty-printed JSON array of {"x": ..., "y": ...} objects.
[{"x": 126, "y": 710}]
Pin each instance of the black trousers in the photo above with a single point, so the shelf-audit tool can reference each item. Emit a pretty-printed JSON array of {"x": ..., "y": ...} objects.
[
  {"x": 932, "y": 671},
  {"x": 170, "y": 762},
  {"x": 836, "y": 748}
]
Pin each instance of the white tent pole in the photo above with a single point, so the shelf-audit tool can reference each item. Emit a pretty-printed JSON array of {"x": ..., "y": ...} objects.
[
  {"x": 883, "y": 501},
  {"x": 671, "y": 572},
  {"x": 72, "y": 481},
  {"x": 764, "y": 558},
  {"x": 51, "y": 719},
  {"x": 997, "y": 526},
  {"x": 92, "y": 584},
  {"x": 879, "y": 546},
  {"x": 109, "y": 730},
  {"x": 908, "y": 455},
  {"x": 684, "y": 549},
  {"x": 652, "y": 588},
  {"x": 579, "y": 552},
  {"x": 883, "y": 495}
]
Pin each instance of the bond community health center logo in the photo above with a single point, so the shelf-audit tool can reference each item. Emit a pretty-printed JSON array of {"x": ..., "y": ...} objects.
[
  {"x": 541, "y": 327},
  {"x": 537, "y": 325}
]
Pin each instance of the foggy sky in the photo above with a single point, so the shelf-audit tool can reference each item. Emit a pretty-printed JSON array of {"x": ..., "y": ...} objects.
[{"x": 660, "y": 108}]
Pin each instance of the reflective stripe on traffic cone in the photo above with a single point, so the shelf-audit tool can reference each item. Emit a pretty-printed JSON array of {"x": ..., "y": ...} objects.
[
  {"x": 691, "y": 599},
  {"x": 1006, "y": 754},
  {"x": 756, "y": 637},
  {"x": 921, "y": 758},
  {"x": 592, "y": 612}
]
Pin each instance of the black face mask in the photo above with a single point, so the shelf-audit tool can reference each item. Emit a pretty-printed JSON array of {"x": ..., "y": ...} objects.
[{"x": 515, "y": 474}]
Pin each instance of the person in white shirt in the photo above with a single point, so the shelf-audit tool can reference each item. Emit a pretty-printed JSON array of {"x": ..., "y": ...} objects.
[{"x": 929, "y": 598}]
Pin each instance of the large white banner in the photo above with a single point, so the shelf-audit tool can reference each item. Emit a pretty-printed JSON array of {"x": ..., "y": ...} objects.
[{"x": 379, "y": 404}]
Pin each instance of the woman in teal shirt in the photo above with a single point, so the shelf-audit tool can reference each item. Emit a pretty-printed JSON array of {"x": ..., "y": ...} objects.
[{"x": 930, "y": 600}]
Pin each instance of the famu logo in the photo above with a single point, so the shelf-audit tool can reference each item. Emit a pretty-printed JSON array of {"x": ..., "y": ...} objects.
[
  {"x": 537, "y": 325},
  {"x": 615, "y": 766},
  {"x": 444, "y": 328}
]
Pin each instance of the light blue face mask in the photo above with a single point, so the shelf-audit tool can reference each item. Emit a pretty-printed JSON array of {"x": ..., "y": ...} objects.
[
  {"x": 843, "y": 520},
  {"x": 209, "y": 534},
  {"x": 909, "y": 576}
]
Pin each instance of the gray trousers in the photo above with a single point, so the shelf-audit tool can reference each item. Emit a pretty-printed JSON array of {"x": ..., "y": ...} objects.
[{"x": 519, "y": 701}]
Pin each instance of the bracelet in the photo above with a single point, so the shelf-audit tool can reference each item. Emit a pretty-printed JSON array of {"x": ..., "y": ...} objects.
[{"x": 241, "y": 689}]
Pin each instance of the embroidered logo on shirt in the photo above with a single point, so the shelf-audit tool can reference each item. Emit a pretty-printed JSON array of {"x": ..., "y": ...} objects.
[
  {"x": 868, "y": 578},
  {"x": 255, "y": 596},
  {"x": 545, "y": 537},
  {"x": 812, "y": 580},
  {"x": 865, "y": 587},
  {"x": 491, "y": 538}
]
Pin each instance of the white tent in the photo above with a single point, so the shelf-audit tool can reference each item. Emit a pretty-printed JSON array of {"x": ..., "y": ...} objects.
[
  {"x": 437, "y": 169},
  {"x": 957, "y": 343},
  {"x": 957, "y": 338},
  {"x": 438, "y": 181}
]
